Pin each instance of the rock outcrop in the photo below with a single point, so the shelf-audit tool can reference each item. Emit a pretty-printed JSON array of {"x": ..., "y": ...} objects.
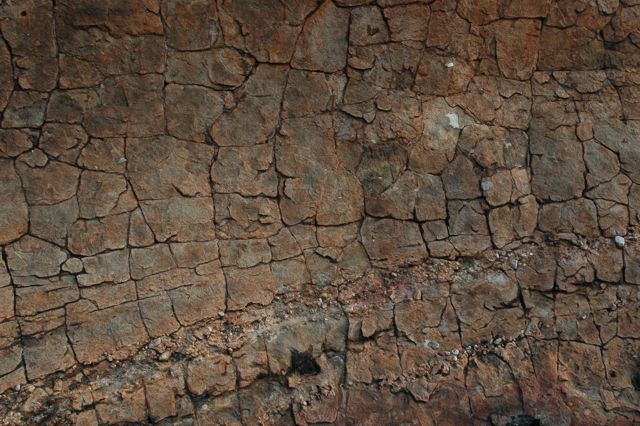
[{"x": 320, "y": 212}]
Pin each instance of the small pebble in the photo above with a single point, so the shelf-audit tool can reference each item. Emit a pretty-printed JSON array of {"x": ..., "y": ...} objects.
[
  {"x": 486, "y": 185},
  {"x": 619, "y": 240}
]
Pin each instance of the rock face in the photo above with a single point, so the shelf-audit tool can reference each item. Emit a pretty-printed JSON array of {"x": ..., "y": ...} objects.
[{"x": 319, "y": 212}]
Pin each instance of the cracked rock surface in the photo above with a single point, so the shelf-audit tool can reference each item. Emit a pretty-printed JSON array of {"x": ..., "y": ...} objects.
[{"x": 271, "y": 212}]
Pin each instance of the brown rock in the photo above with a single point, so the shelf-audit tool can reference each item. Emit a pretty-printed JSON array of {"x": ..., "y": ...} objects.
[
  {"x": 192, "y": 254},
  {"x": 254, "y": 118},
  {"x": 517, "y": 47},
  {"x": 117, "y": 330},
  {"x": 151, "y": 260},
  {"x": 190, "y": 25},
  {"x": 34, "y": 257},
  {"x": 14, "y": 212},
  {"x": 165, "y": 167},
  {"x": 268, "y": 30},
  {"x": 214, "y": 375},
  {"x": 524, "y": 9},
  {"x": 290, "y": 275},
  {"x": 245, "y": 170},
  {"x": 140, "y": 234},
  {"x": 191, "y": 110},
  {"x": 436, "y": 78},
  {"x": 366, "y": 26},
  {"x": 129, "y": 105},
  {"x": 14, "y": 142},
  {"x": 437, "y": 146},
  {"x": 317, "y": 185},
  {"x": 393, "y": 240},
  {"x": 557, "y": 165},
  {"x": 180, "y": 218},
  {"x": 479, "y": 12},
  {"x": 50, "y": 184},
  {"x": 35, "y": 295},
  {"x": 28, "y": 28},
  {"x": 62, "y": 140},
  {"x": 247, "y": 286},
  {"x": 89, "y": 237},
  {"x": 25, "y": 109},
  {"x": 110, "y": 294},
  {"x": 511, "y": 223},
  {"x": 105, "y": 155},
  {"x": 120, "y": 17},
  {"x": 408, "y": 22},
  {"x": 244, "y": 253},
  {"x": 217, "y": 68},
  {"x": 107, "y": 267},
  {"x": 310, "y": 93},
  {"x": 6, "y": 75},
  {"x": 322, "y": 45},
  {"x": 201, "y": 300},
  {"x": 103, "y": 194},
  {"x": 239, "y": 217},
  {"x": 284, "y": 245},
  {"x": 47, "y": 354},
  {"x": 130, "y": 407},
  {"x": 461, "y": 179},
  {"x": 158, "y": 317},
  {"x": 578, "y": 216},
  {"x": 575, "y": 48}
]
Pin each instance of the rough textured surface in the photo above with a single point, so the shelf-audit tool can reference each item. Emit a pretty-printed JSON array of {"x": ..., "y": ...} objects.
[{"x": 304, "y": 212}]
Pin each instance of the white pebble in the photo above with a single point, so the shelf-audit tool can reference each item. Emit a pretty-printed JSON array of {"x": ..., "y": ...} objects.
[
  {"x": 619, "y": 241},
  {"x": 454, "y": 121},
  {"x": 486, "y": 185}
]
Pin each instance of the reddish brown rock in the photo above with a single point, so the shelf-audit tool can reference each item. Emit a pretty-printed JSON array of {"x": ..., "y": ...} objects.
[
  {"x": 367, "y": 26},
  {"x": 254, "y": 116},
  {"x": 178, "y": 168},
  {"x": 107, "y": 267},
  {"x": 47, "y": 354},
  {"x": 14, "y": 212},
  {"x": 191, "y": 25},
  {"x": 6, "y": 76},
  {"x": 89, "y": 237},
  {"x": 103, "y": 194},
  {"x": 191, "y": 110},
  {"x": 217, "y": 68},
  {"x": 34, "y": 257},
  {"x": 317, "y": 186},
  {"x": 388, "y": 239},
  {"x": 408, "y": 22},
  {"x": 28, "y": 28},
  {"x": 25, "y": 109},
  {"x": 180, "y": 218},
  {"x": 117, "y": 331},
  {"x": 245, "y": 170},
  {"x": 247, "y": 286},
  {"x": 48, "y": 183},
  {"x": 213, "y": 375},
  {"x": 517, "y": 47},
  {"x": 322, "y": 45},
  {"x": 268, "y": 30},
  {"x": 120, "y": 17}
]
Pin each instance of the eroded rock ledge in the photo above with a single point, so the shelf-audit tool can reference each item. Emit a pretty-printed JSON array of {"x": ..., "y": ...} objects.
[{"x": 202, "y": 203}]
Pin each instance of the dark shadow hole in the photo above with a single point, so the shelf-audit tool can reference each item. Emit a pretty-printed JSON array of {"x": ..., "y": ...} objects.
[
  {"x": 524, "y": 420},
  {"x": 635, "y": 380},
  {"x": 303, "y": 363}
]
